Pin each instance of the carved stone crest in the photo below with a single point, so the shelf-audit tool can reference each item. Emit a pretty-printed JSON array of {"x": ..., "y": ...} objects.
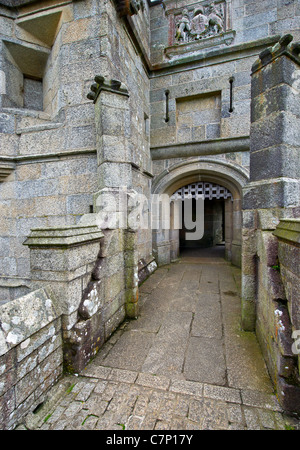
[{"x": 202, "y": 22}]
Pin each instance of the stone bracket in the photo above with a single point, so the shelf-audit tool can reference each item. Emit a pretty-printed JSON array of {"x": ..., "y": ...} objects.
[{"x": 114, "y": 86}]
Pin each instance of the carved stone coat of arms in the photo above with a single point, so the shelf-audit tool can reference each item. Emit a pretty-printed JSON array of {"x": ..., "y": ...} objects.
[{"x": 202, "y": 22}]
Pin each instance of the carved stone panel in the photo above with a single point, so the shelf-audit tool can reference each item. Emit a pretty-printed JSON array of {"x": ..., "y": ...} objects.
[
  {"x": 199, "y": 21},
  {"x": 203, "y": 21},
  {"x": 197, "y": 26}
]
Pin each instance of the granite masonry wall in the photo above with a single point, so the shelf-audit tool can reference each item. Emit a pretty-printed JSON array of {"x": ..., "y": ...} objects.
[
  {"x": 49, "y": 156},
  {"x": 31, "y": 355},
  {"x": 201, "y": 87},
  {"x": 270, "y": 208},
  {"x": 98, "y": 96}
]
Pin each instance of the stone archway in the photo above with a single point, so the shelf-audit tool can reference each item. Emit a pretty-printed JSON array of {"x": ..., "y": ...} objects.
[{"x": 221, "y": 172}]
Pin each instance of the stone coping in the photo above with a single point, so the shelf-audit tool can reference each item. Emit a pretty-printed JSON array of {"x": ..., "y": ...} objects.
[
  {"x": 13, "y": 281},
  {"x": 288, "y": 230},
  {"x": 63, "y": 237},
  {"x": 211, "y": 53}
]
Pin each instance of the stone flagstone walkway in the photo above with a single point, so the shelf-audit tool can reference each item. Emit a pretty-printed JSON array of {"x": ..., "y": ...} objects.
[{"x": 184, "y": 364}]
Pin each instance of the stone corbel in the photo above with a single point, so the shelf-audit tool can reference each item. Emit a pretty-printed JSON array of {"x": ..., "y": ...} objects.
[
  {"x": 6, "y": 168},
  {"x": 101, "y": 84}
]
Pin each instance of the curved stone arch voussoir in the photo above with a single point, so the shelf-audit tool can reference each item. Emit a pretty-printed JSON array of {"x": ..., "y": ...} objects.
[{"x": 225, "y": 173}]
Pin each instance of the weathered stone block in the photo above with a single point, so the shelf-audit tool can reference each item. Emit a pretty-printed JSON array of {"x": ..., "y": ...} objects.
[
  {"x": 277, "y": 161},
  {"x": 283, "y": 193},
  {"x": 277, "y": 128},
  {"x": 288, "y": 395},
  {"x": 114, "y": 322},
  {"x": 111, "y": 242},
  {"x": 132, "y": 310},
  {"x": 86, "y": 338},
  {"x": 115, "y": 175},
  {"x": 281, "y": 71},
  {"x": 92, "y": 299}
]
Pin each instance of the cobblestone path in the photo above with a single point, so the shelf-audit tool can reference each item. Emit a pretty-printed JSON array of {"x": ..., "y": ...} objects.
[{"x": 184, "y": 364}]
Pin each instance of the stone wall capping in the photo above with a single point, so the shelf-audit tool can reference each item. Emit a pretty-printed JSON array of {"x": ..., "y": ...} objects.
[
  {"x": 14, "y": 281},
  {"x": 63, "y": 237},
  {"x": 283, "y": 47},
  {"x": 27, "y": 113},
  {"x": 24, "y": 159},
  {"x": 288, "y": 230},
  {"x": 39, "y": 127},
  {"x": 24, "y": 310}
]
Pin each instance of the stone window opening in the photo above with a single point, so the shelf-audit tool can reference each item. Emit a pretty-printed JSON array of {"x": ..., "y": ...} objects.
[
  {"x": 33, "y": 93},
  {"x": 26, "y": 61}
]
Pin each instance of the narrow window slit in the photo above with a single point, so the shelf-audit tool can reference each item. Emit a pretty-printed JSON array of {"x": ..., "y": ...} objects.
[
  {"x": 231, "y": 80},
  {"x": 167, "y": 118}
]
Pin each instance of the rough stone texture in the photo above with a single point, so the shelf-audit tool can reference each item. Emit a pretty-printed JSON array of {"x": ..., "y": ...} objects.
[
  {"x": 64, "y": 259},
  {"x": 117, "y": 391},
  {"x": 165, "y": 116},
  {"x": 288, "y": 234},
  {"x": 31, "y": 353},
  {"x": 266, "y": 296}
]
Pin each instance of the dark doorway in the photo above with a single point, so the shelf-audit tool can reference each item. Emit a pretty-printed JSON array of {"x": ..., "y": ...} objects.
[{"x": 214, "y": 226}]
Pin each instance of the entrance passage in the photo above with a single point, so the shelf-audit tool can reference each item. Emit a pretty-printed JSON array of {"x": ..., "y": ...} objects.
[
  {"x": 189, "y": 329},
  {"x": 217, "y": 199},
  {"x": 184, "y": 363}
]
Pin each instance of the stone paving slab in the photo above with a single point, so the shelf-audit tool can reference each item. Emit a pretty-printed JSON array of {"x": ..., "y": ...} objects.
[
  {"x": 184, "y": 364},
  {"x": 129, "y": 400},
  {"x": 202, "y": 350}
]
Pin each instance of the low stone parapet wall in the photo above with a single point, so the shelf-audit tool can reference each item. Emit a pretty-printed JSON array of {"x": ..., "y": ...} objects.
[
  {"x": 288, "y": 235},
  {"x": 31, "y": 356},
  {"x": 277, "y": 308}
]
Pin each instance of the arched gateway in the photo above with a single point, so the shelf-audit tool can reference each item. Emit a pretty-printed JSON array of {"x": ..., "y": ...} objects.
[{"x": 222, "y": 180}]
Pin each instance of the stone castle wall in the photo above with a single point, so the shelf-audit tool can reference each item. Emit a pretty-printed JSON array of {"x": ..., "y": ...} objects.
[
  {"x": 31, "y": 356},
  {"x": 95, "y": 96},
  {"x": 53, "y": 150}
]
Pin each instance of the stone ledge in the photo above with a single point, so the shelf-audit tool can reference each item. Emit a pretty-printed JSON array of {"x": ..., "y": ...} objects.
[
  {"x": 212, "y": 53},
  {"x": 201, "y": 44},
  {"x": 63, "y": 237},
  {"x": 288, "y": 230}
]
